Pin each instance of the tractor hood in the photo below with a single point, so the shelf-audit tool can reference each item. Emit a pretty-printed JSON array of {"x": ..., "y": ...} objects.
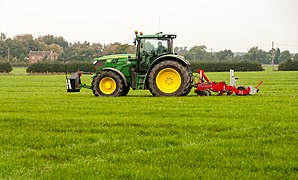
[{"x": 114, "y": 56}]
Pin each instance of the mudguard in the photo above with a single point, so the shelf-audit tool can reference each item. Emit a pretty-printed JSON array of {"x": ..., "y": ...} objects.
[{"x": 119, "y": 73}]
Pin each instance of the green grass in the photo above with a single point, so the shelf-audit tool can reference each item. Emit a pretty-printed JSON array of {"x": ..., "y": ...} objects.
[
  {"x": 269, "y": 67},
  {"x": 18, "y": 71},
  {"x": 47, "y": 133}
]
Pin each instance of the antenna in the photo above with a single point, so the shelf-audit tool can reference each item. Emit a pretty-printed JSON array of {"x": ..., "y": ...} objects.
[{"x": 158, "y": 30}]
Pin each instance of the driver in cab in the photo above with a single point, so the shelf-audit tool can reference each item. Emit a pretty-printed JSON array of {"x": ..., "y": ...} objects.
[{"x": 160, "y": 49}]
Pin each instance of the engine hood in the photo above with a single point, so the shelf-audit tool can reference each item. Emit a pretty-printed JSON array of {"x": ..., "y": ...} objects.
[{"x": 115, "y": 56}]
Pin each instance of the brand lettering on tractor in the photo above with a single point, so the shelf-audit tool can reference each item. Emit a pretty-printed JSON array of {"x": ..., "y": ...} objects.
[{"x": 115, "y": 61}]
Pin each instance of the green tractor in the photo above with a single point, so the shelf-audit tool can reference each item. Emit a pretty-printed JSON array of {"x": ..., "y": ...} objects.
[{"x": 154, "y": 67}]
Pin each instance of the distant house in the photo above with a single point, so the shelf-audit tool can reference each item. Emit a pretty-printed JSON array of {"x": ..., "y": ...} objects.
[{"x": 37, "y": 56}]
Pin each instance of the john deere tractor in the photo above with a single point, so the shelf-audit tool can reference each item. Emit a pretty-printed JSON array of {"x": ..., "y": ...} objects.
[{"x": 154, "y": 67}]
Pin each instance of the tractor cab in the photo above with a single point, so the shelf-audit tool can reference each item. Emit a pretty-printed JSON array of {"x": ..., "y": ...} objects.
[{"x": 150, "y": 47}]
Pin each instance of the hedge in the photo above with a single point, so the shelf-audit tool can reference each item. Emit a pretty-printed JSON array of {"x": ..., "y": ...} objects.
[
  {"x": 20, "y": 64},
  {"x": 288, "y": 66},
  {"x": 88, "y": 67},
  {"x": 5, "y": 67},
  {"x": 226, "y": 66},
  {"x": 60, "y": 67}
]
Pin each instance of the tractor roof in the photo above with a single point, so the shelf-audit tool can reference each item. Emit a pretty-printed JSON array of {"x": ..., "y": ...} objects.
[{"x": 157, "y": 35}]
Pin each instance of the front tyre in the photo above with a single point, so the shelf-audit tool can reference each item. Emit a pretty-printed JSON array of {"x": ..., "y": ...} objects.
[
  {"x": 107, "y": 83},
  {"x": 169, "y": 78}
]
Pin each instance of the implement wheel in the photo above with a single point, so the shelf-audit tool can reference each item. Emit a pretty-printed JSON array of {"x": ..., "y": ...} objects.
[
  {"x": 240, "y": 88},
  {"x": 229, "y": 93},
  {"x": 206, "y": 93},
  {"x": 107, "y": 83},
  {"x": 169, "y": 78}
]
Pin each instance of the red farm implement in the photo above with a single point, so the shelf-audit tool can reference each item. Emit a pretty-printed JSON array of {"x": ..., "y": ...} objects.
[{"x": 204, "y": 86}]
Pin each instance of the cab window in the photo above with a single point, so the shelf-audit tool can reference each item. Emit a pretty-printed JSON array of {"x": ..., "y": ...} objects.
[{"x": 150, "y": 49}]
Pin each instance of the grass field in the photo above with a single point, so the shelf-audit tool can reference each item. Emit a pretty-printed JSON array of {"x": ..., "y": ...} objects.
[{"x": 47, "y": 133}]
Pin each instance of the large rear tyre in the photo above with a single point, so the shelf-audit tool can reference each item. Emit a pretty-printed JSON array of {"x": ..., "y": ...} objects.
[
  {"x": 169, "y": 78},
  {"x": 191, "y": 81},
  {"x": 107, "y": 83}
]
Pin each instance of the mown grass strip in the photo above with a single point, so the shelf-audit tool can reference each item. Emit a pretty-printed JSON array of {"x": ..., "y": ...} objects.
[{"x": 47, "y": 133}]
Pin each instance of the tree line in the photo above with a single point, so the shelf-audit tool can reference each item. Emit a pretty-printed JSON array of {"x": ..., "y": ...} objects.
[
  {"x": 200, "y": 53},
  {"x": 16, "y": 49}
]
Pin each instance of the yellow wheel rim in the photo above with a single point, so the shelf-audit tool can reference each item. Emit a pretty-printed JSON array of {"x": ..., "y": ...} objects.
[
  {"x": 168, "y": 80},
  {"x": 107, "y": 85}
]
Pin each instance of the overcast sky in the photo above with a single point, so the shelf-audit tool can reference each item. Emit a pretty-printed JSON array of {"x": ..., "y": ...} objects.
[{"x": 218, "y": 24}]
